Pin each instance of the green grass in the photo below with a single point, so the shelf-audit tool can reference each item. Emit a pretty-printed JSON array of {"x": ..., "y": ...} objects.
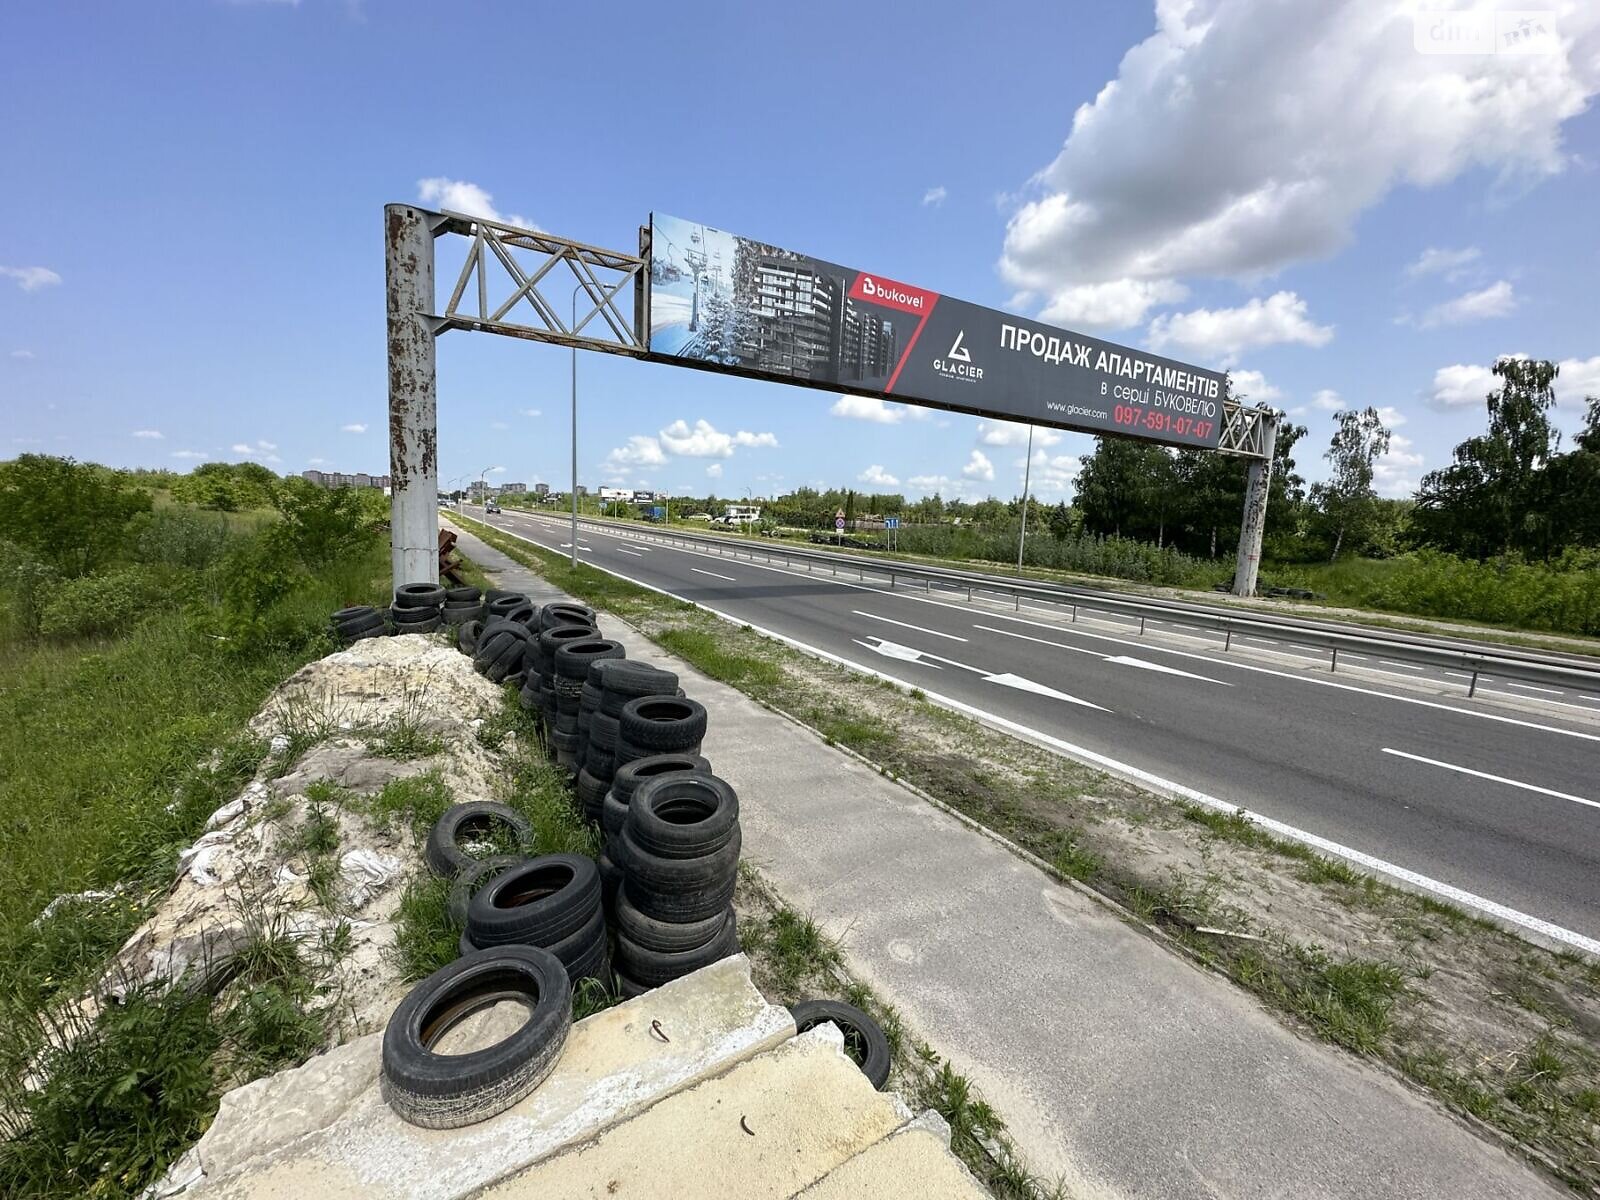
[{"x": 722, "y": 664}]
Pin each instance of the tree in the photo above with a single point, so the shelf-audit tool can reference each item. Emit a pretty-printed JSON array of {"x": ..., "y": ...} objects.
[
  {"x": 1347, "y": 500},
  {"x": 71, "y": 515}
]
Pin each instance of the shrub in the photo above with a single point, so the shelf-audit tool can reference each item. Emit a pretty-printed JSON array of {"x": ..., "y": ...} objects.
[
  {"x": 180, "y": 537},
  {"x": 319, "y": 524},
  {"x": 103, "y": 604},
  {"x": 71, "y": 515},
  {"x": 26, "y": 582}
]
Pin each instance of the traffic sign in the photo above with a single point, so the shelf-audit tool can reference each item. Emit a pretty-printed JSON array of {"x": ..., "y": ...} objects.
[
  {"x": 891, "y": 522},
  {"x": 838, "y": 522}
]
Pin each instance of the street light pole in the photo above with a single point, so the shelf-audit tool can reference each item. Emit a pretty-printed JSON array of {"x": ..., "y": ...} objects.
[
  {"x": 1027, "y": 472},
  {"x": 575, "y": 292}
]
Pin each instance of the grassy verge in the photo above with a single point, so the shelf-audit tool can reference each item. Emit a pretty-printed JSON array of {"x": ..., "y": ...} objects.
[{"x": 1501, "y": 1031}]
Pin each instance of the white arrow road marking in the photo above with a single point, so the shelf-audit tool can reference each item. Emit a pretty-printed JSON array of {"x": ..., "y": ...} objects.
[
  {"x": 1530, "y": 787},
  {"x": 581, "y": 546},
  {"x": 896, "y": 650},
  {"x": 1005, "y": 679},
  {"x": 1126, "y": 660},
  {"x": 906, "y": 625},
  {"x": 635, "y": 553},
  {"x": 1129, "y": 661},
  {"x": 1039, "y": 689},
  {"x": 713, "y": 574}
]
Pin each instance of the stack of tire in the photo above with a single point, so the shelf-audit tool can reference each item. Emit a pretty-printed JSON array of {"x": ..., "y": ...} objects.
[
  {"x": 500, "y": 652},
  {"x": 417, "y": 608},
  {"x": 553, "y": 902},
  {"x": 462, "y": 604},
  {"x": 611, "y": 684},
  {"x": 572, "y": 659},
  {"x": 614, "y": 808},
  {"x": 360, "y": 621},
  {"x": 679, "y": 850},
  {"x": 512, "y": 606}
]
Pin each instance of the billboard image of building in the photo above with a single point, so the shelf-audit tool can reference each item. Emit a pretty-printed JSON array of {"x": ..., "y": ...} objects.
[{"x": 730, "y": 303}]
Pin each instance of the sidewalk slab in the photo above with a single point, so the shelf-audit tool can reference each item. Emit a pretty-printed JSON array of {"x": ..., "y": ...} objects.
[
  {"x": 912, "y": 1163},
  {"x": 1118, "y": 1065}
]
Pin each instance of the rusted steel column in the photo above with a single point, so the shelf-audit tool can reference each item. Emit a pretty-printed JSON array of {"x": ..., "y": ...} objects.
[
  {"x": 413, "y": 397},
  {"x": 1248, "y": 565}
]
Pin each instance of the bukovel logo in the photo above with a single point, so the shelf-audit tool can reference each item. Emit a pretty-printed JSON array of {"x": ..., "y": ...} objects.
[{"x": 957, "y": 361}]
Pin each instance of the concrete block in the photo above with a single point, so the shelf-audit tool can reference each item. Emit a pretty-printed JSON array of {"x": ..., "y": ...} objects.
[
  {"x": 768, "y": 1128},
  {"x": 912, "y": 1163},
  {"x": 612, "y": 1068}
]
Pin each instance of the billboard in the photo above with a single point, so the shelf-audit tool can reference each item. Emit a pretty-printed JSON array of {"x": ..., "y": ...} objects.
[{"x": 729, "y": 303}]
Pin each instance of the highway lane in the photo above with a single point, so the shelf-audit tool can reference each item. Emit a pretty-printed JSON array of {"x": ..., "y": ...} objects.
[{"x": 1496, "y": 797}]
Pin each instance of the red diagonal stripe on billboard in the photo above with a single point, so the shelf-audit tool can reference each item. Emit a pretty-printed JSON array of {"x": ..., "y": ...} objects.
[{"x": 933, "y": 298}]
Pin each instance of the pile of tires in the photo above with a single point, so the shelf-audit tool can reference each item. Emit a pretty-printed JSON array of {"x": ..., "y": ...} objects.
[
  {"x": 500, "y": 652},
  {"x": 572, "y": 659},
  {"x": 614, "y": 808},
  {"x": 462, "y": 604},
  {"x": 553, "y": 902},
  {"x": 611, "y": 684},
  {"x": 512, "y": 606},
  {"x": 678, "y": 851},
  {"x": 417, "y": 608},
  {"x": 350, "y": 625},
  {"x": 651, "y": 725}
]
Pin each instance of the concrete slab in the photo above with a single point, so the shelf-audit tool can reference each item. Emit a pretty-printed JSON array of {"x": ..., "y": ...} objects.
[
  {"x": 1118, "y": 1065},
  {"x": 324, "y": 1130},
  {"x": 766, "y": 1129},
  {"x": 911, "y": 1164}
]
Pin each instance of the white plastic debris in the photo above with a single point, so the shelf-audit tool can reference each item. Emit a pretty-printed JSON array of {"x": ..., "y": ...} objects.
[
  {"x": 197, "y": 859},
  {"x": 286, "y": 876},
  {"x": 278, "y": 744},
  {"x": 60, "y": 902},
  {"x": 225, "y": 814},
  {"x": 367, "y": 873}
]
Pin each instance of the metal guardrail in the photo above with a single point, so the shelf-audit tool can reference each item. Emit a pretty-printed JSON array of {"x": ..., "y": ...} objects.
[{"x": 1472, "y": 662}]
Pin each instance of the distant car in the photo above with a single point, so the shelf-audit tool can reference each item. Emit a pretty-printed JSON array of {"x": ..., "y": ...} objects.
[{"x": 491, "y": 507}]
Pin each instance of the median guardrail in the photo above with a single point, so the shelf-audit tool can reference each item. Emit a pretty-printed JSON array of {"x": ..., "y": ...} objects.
[{"x": 1469, "y": 662}]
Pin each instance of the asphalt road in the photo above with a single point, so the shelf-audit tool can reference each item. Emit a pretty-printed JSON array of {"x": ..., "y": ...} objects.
[{"x": 1493, "y": 801}]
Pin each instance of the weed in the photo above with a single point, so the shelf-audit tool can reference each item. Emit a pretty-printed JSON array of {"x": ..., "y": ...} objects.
[
  {"x": 425, "y": 937},
  {"x": 716, "y": 660},
  {"x": 1068, "y": 855},
  {"x": 416, "y": 801},
  {"x": 1348, "y": 1002},
  {"x": 1319, "y": 869}
]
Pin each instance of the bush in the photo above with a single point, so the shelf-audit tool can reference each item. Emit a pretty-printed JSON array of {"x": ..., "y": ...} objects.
[
  {"x": 180, "y": 537},
  {"x": 71, "y": 515},
  {"x": 26, "y": 583},
  {"x": 319, "y": 524},
  {"x": 104, "y": 604}
]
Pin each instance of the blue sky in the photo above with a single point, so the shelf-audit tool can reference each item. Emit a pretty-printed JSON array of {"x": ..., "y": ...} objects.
[{"x": 191, "y": 263}]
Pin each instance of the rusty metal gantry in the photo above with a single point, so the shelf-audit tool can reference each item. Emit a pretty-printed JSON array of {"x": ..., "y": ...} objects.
[{"x": 498, "y": 290}]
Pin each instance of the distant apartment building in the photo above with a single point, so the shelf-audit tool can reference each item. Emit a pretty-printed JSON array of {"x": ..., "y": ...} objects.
[
  {"x": 512, "y": 489},
  {"x": 541, "y": 490},
  {"x": 796, "y": 311},
  {"x": 343, "y": 479}
]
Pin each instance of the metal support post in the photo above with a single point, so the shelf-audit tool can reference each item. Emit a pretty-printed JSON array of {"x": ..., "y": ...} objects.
[
  {"x": 1247, "y": 567},
  {"x": 1027, "y": 472},
  {"x": 413, "y": 396}
]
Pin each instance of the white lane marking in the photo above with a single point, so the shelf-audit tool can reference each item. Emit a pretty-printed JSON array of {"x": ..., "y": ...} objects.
[
  {"x": 713, "y": 574},
  {"x": 896, "y": 650},
  {"x": 1357, "y": 657},
  {"x": 907, "y": 625},
  {"x": 1264, "y": 641},
  {"x": 1005, "y": 678},
  {"x": 1483, "y": 691},
  {"x": 1127, "y": 661},
  {"x": 1528, "y": 687},
  {"x": 568, "y": 546},
  {"x": 1594, "y": 698},
  {"x": 635, "y": 553},
  {"x": 1516, "y": 783},
  {"x": 1452, "y": 674},
  {"x": 1234, "y": 664},
  {"x": 1038, "y": 689},
  {"x": 1402, "y": 666}
]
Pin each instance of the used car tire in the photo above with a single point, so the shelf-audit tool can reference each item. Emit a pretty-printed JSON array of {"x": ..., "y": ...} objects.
[
  {"x": 560, "y": 613},
  {"x": 618, "y": 684},
  {"x": 610, "y": 880},
  {"x": 655, "y": 967},
  {"x": 864, "y": 1039},
  {"x": 458, "y": 595},
  {"x": 418, "y": 595},
  {"x": 443, "y": 852},
  {"x": 628, "y": 988},
  {"x": 630, "y": 775},
  {"x": 580, "y": 952},
  {"x": 591, "y": 793},
  {"x": 474, "y": 877},
  {"x": 661, "y": 724},
  {"x": 439, "y": 1091},
  {"x": 540, "y": 901},
  {"x": 506, "y": 602},
  {"x": 459, "y": 612},
  {"x": 667, "y": 937},
  {"x": 574, "y": 656},
  {"x": 353, "y": 628},
  {"x": 678, "y": 889},
  {"x": 683, "y": 815},
  {"x": 416, "y": 620},
  {"x": 467, "y": 636}
]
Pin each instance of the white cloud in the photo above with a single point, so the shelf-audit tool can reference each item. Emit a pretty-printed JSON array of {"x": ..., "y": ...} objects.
[
  {"x": 31, "y": 279},
  {"x": 1398, "y": 472},
  {"x": 1327, "y": 400},
  {"x": 1114, "y": 304},
  {"x": 1464, "y": 385},
  {"x": 264, "y": 445},
  {"x": 1579, "y": 379},
  {"x": 869, "y": 408},
  {"x": 1244, "y": 136},
  {"x": 353, "y": 427},
  {"x": 641, "y": 451},
  {"x": 22, "y": 354},
  {"x": 1051, "y": 474},
  {"x": 878, "y": 477},
  {"x": 1496, "y": 300},
  {"x": 187, "y": 454},
  {"x": 457, "y": 195},
  {"x": 705, "y": 441},
  {"x": 1011, "y": 433},
  {"x": 979, "y": 467},
  {"x": 260, "y": 449},
  {"x": 1436, "y": 260},
  {"x": 1391, "y": 416},
  {"x": 714, "y": 471},
  {"x": 242, "y": 448},
  {"x": 495, "y": 471},
  {"x": 531, "y": 412},
  {"x": 1225, "y": 333},
  {"x": 1253, "y": 385},
  {"x": 498, "y": 425},
  {"x": 934, "y": 196},
  {"x": 154, "y": 435}
]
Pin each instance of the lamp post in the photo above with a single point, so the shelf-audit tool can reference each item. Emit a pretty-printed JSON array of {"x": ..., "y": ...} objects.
[
  {"x": 575, "y": 292},
  {"x": 1027, "y": 471}
]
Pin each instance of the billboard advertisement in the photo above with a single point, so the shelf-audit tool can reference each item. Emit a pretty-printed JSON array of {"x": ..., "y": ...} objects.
[{"x": 729, "y": 303}]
